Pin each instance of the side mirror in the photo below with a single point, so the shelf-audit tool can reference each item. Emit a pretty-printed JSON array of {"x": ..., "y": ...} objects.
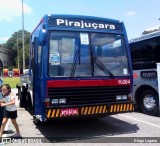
[{"x": 42, "y": 39}]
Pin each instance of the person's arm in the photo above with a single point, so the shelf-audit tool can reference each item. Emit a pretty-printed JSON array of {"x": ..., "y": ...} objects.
[
  {"x": 1, "y": 101},
  {"x": 9, "y": 103},
  {"x": 12, "y": 101}
]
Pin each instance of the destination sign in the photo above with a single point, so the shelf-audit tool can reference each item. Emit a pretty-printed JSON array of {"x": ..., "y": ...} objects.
[
  {"x": 148, "y": 74},
  {"x": 85, "y": 24}
]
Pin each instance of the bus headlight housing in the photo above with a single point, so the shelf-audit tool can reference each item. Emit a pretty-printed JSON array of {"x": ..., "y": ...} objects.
[
  {"x": 121, "y": 97},
  {"x": 56, "y": 101}
]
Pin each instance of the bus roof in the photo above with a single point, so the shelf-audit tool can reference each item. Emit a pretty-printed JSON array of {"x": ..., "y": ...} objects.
[
  {"x": 80, "y": 17},
  {"x": 145, "y": 37},
  {"x": 49, "y": 20}
]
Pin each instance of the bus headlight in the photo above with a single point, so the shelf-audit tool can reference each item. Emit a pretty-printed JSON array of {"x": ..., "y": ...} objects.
[
  {"x": 54, "y": 101},
  {"x": 124, "y": 97},
  {"x": 58, "y": 101},
  {"x": 62, "y": 101},
  {"x": 118, "y": 97},
  {"x": 121, "y": 97}
]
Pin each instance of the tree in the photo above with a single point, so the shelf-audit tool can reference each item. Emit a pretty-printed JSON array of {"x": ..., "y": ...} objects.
[
  {"x": 12, "y": 45},
  {"x": 151, "y": 30}
]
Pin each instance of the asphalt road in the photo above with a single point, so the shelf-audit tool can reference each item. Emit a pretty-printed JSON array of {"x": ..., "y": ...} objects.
[{"x": 121, "y": 129}]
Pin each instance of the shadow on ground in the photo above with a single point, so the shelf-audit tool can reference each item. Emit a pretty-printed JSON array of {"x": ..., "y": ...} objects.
[{"x": 85, "y": 130}]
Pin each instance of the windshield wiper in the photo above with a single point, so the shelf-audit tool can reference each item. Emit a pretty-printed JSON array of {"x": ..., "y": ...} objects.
[
  {"x": 102, "y": 66},
  {"x": 74, "y": 65}
]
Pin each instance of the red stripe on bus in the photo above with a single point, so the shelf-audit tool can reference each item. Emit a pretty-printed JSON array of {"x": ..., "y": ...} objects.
[{"x": 88, "y": 83}]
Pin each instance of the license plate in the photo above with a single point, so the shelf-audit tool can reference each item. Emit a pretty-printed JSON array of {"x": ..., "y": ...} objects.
[{"x": 69, "y": 111}]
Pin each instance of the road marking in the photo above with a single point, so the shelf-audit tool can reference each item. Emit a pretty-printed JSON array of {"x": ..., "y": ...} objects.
[{"x": 140, "y": 121}]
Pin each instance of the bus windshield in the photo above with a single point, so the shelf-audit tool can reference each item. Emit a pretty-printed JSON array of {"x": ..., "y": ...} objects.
[{"x": 80, "y": 54}]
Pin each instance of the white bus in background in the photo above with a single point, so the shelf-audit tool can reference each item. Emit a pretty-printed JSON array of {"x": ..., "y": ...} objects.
[{"x": 145, "y": 53}]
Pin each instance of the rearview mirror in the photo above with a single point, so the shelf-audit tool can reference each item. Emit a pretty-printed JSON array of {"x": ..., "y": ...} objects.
[{"x": 42, "y": 40}]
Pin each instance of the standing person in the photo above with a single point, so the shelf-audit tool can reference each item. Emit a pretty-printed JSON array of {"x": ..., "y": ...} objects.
[{"x": 10, "y": 109}]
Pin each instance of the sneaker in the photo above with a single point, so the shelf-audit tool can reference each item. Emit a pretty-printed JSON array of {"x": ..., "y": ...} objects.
[
  {"x": 16, "y": 135},
  {"x": 5, "y": 132}
]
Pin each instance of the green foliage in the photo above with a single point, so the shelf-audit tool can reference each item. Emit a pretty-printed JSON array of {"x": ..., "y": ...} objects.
[
  {"x": 149, "y": 31},
  {"x": 11, "y": 81},
  {"x": 16, "y": 40}
]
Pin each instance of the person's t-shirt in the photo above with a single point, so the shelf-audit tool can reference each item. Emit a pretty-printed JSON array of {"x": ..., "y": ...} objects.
[{"x": 7, "y": 99}]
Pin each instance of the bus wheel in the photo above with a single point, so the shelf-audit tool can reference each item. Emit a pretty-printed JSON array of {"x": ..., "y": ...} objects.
[
  {"x": 21, "y": 98},
  {"x": 36, "y": 121},
  {"x": 29, "y": 103},
  {"x": 149, "y": 103}
]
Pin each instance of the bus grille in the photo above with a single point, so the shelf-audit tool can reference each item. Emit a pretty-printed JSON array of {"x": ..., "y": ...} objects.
[{"x": 88, "y": 95}]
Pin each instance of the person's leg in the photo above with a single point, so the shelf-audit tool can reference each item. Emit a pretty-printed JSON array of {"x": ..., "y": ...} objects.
[
  {"x": 3, "y": 126},
  {"x": 13, "y": 115},
  {"x": 15, "y": 125},
  {"x": 1, "y": 115}
]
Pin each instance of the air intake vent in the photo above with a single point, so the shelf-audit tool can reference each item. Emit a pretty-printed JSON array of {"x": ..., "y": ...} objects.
[{"x": 88, "y": 95}]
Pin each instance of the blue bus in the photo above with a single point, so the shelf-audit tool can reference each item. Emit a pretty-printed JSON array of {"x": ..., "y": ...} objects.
[{"x": 79, "y": 66}]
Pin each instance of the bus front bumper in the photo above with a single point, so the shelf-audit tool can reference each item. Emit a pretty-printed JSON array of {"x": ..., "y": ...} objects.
[{"x": 91, "y": 110}]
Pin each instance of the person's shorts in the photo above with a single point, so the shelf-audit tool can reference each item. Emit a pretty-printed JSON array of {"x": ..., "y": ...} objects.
[{"x": 10, "y": 114}]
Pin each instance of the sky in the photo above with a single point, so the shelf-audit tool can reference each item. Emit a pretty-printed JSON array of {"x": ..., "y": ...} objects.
[{"x": 137, "y": 15}]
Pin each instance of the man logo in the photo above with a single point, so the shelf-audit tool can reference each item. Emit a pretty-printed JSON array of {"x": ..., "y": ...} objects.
[{"x": 6, "y": 140}]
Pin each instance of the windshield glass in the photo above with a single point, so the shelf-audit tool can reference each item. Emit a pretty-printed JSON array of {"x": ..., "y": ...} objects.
[{"x": 76, "y": 54}]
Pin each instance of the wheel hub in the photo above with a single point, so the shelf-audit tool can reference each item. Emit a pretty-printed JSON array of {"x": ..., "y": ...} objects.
[{"x": 149, "y": 102}]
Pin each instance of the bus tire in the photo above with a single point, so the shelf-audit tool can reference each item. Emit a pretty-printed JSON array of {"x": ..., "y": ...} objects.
[
  {"x": 22, "y": 101},
  {"x": 149, "y": 103},
  {"x": 29, "y": 106},
  {"x": 36, "y": 121}
]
